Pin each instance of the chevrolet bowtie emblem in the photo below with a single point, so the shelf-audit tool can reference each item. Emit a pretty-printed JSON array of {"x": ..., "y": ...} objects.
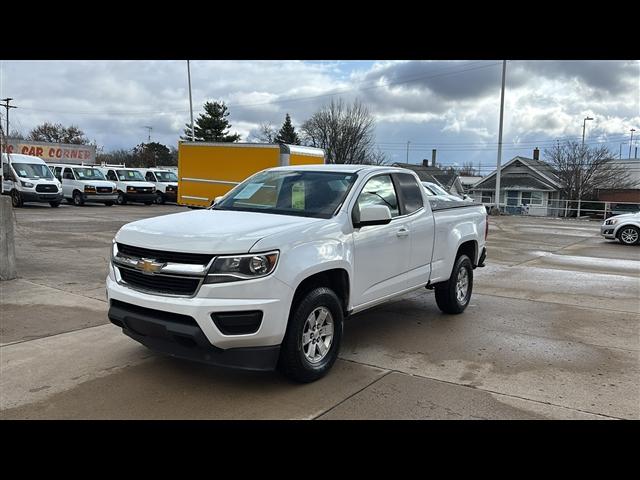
[{"x": 147, "y": 265}]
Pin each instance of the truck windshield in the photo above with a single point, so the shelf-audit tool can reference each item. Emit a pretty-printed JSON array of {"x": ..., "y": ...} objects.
[
  {"x": 88, "y": 174},
  {"x": 287, "y": 192},
  {"x": 166, "y": 176},
  {"x": 32, "y": 170},
  {"x": 130, "y": 176}
]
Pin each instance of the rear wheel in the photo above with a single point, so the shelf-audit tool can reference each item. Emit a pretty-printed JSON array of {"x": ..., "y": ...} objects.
[
  {"x": 16, "y": 199},
  {"x": 629, "y": 235},
  {"x": 77, "y": 199},
  {"x": 312, "y": 342},
  {"x": 453, "y": 295},
  {"x": 121, "y": 200}
]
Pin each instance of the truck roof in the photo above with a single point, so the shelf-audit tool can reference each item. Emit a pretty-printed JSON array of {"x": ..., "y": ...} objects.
[{"x": 19, "y": 157}]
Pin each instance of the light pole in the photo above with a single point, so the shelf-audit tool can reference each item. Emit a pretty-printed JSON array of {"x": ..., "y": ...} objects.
[
  {"x": 499, "y": 160},
  {"x": 584, "y": 124},
  {"x": 190, "y": 102},
  {"x": 408, "y": 151},
  {"x": 631, "y": 141}
]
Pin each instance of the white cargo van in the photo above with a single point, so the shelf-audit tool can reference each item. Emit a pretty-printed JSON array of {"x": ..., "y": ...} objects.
[
  {"x": 130, "y": 185},
  {"x": 28, "y": 179},
  {"x": 84, "y": 183},
  {"x": 166, "y": 183}
]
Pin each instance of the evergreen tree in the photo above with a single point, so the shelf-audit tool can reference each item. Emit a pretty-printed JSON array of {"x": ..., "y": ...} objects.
[
  {"x": 212, "y": 125},
  {"x": 287, "y": 133}
]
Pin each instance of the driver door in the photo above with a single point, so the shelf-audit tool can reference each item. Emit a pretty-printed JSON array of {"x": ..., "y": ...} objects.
[{"x": 381, "y": 252}]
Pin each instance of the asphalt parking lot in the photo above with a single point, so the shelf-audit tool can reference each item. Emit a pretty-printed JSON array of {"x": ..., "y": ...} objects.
[{"x": 552, "y": 332}]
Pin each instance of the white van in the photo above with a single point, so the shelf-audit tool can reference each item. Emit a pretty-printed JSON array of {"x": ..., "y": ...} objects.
[
  {"x": 130, "y": 185},
  {"x": 84, "y": 183},
  {"x": 28, "y": 179},
  {"x": 166, "y": 183}
]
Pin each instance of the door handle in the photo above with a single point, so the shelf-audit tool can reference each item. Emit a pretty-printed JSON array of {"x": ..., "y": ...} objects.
[{"x": 403, "y": 232}]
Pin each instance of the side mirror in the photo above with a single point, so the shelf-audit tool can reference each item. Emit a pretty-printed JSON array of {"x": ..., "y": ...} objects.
[{"x": 374, "y": 215}]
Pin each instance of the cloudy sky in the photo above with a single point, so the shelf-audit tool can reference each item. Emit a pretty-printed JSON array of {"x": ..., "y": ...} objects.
[{"x": 449, "y": 105}]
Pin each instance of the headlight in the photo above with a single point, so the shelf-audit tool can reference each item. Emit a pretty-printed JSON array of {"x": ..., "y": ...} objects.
[
  {"x": 89, "y": 188},
  {"x": 131, "y": 189},
  {"x": 611, "y": 222},
  {"x": 234, "y": 268},
  {"x": 26, "y": 184}
]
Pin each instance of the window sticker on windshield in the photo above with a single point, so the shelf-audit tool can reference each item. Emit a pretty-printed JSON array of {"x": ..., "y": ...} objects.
[
  {"x": 297, "y": 196},
  {"x": 248, "y": 191},
  {"x": 23, "y": 173},
  {"x": 80, "y": 174}
]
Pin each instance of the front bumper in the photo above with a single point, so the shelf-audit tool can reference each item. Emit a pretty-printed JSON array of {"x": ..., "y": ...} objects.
[
  {"x": 140, "y": 197},
  {"x": 608, "y": 231},
  {"x": 170, "y": 196},
  {"x": 41, "y": 197},
  {"x": 170, "y": 334},
  {"x": 100, "y": 198}
]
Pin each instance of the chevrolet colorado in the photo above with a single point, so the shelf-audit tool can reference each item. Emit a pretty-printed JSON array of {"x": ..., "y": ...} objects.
[{"x": 265, "y": 277}]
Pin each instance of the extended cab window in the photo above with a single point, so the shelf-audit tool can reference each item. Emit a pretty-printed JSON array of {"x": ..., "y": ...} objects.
[
  {"x": 149, "y": 177},
  {"x": 68, "y": 174},
  {"x": 411, "y": 192},
  {"x": 379, "y": 191},
  {"x": 111, "y": 176}
]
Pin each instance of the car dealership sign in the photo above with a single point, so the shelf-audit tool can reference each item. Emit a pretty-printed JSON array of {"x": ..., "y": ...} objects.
[{"x": 52, "y": 152}]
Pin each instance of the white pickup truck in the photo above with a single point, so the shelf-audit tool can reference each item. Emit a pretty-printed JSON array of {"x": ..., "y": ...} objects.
[{"x": 265, "y": 277}]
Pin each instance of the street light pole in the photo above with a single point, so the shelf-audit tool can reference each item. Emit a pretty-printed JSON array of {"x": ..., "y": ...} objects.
[
  {"x": 190, "y": 102},
  {"x": 584, "y": 124},
  {"x": 631, "y": 141},
  {"x": 499, "y": 160},
  {"x": 408, "y": 151}
]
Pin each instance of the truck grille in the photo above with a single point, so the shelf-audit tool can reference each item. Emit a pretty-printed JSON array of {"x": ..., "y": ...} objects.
[
  {"x": 165, "y": 284},
  {"x": 46, "y": 188},
  {"x": 104, "y": 190},
  {"x": 163, "y": 256},
  {"x": 142, "y": 190}
]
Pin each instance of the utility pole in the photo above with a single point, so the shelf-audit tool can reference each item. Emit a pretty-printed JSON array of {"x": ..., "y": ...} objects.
[
  {"x": 7, "y": 107},
  {"x": 584, "y": 124},
  {"x": 630, "y": 141},
  {"x": 620, "y": 154},
  {"x": 408, "y": 151},
  {"x": 498, "y": 162},
  {"x": 149, "y": 135},
  {"x": 193, "y": 138}
]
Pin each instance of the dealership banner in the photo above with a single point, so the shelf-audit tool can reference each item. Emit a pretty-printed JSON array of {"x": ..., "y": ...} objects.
[{"x": 52, "y": 152}]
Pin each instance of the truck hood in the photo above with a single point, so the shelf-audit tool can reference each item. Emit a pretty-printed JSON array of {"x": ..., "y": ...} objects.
[{"x": 208, "y": 231}]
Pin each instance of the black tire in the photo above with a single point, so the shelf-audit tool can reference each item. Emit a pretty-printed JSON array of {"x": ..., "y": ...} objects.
[
  {"x": 78, "y": 201},
  {"x": 108, "y": 204},
  {"x": 629, "y": 235},
  {"x": 293, "y": 361},
  {"x": 16, "y": 199},
  {"x": 446, "y": 292},
  {"x": 148, "y": 203},
  {"x": 54, "y": 204},
  {"x": 159, "y": 198},
  {"x": 121, "y": 200}
]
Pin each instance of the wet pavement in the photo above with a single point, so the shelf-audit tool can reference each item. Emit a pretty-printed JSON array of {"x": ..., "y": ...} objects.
[{"x": 552, "y": 331}]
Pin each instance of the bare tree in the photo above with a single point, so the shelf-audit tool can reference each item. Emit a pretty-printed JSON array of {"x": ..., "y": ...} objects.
[
  {"x": 57, "y": 133},
  {"x": 267, "y": 133},
  {"x": 582, "y": 170},
  {"x": 345, "y": 132},
  {"x": 467, "y": 169}
]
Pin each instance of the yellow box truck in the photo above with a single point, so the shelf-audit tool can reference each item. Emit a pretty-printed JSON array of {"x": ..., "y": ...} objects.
[{"x": 208, "y": 170}]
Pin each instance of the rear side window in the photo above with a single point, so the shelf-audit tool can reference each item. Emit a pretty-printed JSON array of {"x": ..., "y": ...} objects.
[{"x": 410, "y": 192}]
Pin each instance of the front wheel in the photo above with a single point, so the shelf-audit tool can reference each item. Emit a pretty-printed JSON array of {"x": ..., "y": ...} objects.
[
  {"x": 629, "y": 235},
  {"x": 109, "y": 203},
  {"x": 16, "y": 199},
  {"x": 54, "y": 204},
  {"x": 78, "y": 201},
  {"x": 312, "y": 342},
  {"x": 121, "y": 200},
  {"x": 159, "y": 198},
  {"x": 454, "y": 295}
]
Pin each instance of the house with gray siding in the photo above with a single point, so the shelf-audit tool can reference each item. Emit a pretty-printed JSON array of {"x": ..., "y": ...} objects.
[{"x": 524, "y": 183}]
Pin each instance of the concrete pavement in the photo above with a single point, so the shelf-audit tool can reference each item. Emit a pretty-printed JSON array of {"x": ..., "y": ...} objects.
[{"x": 553, "y": 331}]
